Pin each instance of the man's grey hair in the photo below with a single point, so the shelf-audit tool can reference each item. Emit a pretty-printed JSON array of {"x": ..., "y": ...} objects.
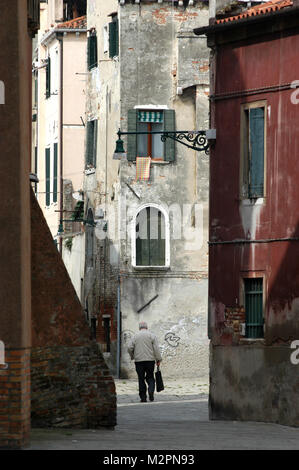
[{"x": 142, "y": 325}]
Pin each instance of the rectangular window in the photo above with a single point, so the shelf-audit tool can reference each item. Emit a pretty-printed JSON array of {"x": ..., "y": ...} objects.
[
  {"x": 91, "y": 142},
  {"x": 254, "y": 307},
  {"x": 113, "y": 37},
  {"x": 106, "y": 38},
  {"x": 48, "y": 78},
  {"x": 48, "y": 177},
  {"x": 92, "y": 51},
  {"x": 55, "y": 165},
  {"x": 150, "y": 145},
  {"x": 107, "y": 329},
  {"x": 253, "y": 128}
]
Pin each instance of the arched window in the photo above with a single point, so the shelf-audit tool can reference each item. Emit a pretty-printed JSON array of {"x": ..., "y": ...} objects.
[{"x": 151, "y": 237}]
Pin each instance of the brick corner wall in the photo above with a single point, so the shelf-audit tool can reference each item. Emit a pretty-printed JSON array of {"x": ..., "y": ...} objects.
[{"x": 71, "y": 385}]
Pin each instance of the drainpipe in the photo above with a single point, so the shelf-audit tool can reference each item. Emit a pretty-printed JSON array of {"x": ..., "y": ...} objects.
[{"x": 60, "y": 39}]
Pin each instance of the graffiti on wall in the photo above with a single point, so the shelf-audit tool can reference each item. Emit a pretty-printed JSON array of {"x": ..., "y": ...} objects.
[
  {"x": 127, "y": 335},
  {"x": 172, "y": 340}
]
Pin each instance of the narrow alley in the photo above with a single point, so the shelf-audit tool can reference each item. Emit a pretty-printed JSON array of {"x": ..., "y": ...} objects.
[{"x": 176, "y": 420}]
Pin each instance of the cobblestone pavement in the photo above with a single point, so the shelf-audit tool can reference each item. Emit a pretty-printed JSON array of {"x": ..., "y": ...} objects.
[
  {"x": 176, "y": 420},
  {"x": 184, "y": 389}
]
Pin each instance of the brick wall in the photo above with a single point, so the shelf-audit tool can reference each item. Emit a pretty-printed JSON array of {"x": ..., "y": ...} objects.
[
  {"x": 71, "y": 384},
  {"x": 107, "y": 294},
  {"x": 15, "y": 399}
]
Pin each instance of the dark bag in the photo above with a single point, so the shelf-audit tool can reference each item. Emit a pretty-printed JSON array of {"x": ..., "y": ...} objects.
[{"x": 159, "y": 380}]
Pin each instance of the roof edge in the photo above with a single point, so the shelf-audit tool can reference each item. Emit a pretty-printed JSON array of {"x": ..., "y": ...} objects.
[{"x": 215, "y": 28}]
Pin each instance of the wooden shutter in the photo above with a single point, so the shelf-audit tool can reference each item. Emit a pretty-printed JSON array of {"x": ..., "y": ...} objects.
[
  {"x": 48, "y": 78},
  {"x": 169, "y": 125},
  {"x": 91, "y": 139},
  {"x": 48, "y": 186},
  {"x": 132, "y": 139},
  {"x": 55, "y": 164},
  {"x": 142, "y": 242},
  {"x": 256, "y": 152},
  {"x": 116, "y": 37},
  {"x": 95, "y": 142},
  {"x": 92, "y": 51},
  {"x": 156, "y": 243},
  {"x": 113, "y": 39}
]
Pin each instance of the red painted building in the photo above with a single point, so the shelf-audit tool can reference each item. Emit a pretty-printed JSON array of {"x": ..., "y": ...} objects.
[{"x": 254, "y": 216}]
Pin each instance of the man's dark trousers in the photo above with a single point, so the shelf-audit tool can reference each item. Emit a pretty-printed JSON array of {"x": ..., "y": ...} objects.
[{"x": 145, "y": 371}]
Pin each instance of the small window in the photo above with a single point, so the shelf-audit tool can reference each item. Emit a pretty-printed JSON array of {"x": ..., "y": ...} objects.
[
  {"x": 92, "y": 51},
  {"x": 253, "y": 149},
  {"x": 106, "y": 38},
  {"x": 113, "y": 37},
  {"x": 107, "y": 332},
  {"x": 253, "y": 288},
  {"x": 48, "y": 78},
  {"x": 91, "y": 142},
  {"x": 150, "y": 145},
  {"x": 150, "y": 237}
]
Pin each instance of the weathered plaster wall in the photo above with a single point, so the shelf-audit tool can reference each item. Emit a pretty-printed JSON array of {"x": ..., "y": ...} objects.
[
  {"x": 153, "y": 66},
  {"x": 177, "y": 317},
  {"x": 255, "y": 379},
  {"x": 253, "y": 383},
  {"x": 158, "y": 66}
]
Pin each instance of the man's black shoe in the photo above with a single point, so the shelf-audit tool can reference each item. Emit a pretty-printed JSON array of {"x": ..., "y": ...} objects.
[
  {"x": 151, "y": 396},
  {"x": 143, "y": 400}
]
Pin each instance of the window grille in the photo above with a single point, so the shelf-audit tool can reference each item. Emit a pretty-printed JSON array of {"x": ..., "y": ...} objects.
[{"x": 254, "y": 307}]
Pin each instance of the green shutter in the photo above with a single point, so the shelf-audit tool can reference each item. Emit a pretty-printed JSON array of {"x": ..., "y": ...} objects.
[
  {"x": 55, "y": 165},
  {"x": 95, "y": 141},
  {"x": 116, "y": 37},
  {"x": 132, "y": 139},
  {"x": 92, "y": 51},
  {"x": 156, "y": 243},
  {"x": 88, "y": 52},
  {"x": 256, "y": 150},
  {"x": 150, "y": 251},
  {"x": 254, "y": 307},
  {"x": 35, "y": 166},
  {"x": 48, "y": 186},
  {"x": 169, "y": 125},
  {"x": 113, "y": 39},
  {"x": 91, "y": 142},
  {"x": 48, "y": 78}
]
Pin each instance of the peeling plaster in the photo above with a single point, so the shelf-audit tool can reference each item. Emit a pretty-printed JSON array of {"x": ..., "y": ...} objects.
[{"x": 250, "y": 216}]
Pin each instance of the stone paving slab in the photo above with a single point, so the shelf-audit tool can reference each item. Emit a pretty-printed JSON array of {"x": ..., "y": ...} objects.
[
  {"x": 176, "y": 420},
  {"x": 127, "y": 390}
]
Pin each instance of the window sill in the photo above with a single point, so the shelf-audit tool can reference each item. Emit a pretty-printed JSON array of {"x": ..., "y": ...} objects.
[
  {"x": 151, "y": 268},
  {"x": 156, "y": 162},
  {"x": 252, "y": 340},
  {"x": 254, "y": 201}
]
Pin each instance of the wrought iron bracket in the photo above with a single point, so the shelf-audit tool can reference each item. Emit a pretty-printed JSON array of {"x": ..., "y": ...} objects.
[{"x": 195, "y": 140}]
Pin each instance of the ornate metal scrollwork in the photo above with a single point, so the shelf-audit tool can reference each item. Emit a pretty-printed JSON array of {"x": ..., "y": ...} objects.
[{"x": 197, "y": 139}]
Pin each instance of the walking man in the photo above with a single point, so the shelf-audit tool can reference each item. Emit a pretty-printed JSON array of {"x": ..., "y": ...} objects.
[{"x": 144, "y": 349}]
